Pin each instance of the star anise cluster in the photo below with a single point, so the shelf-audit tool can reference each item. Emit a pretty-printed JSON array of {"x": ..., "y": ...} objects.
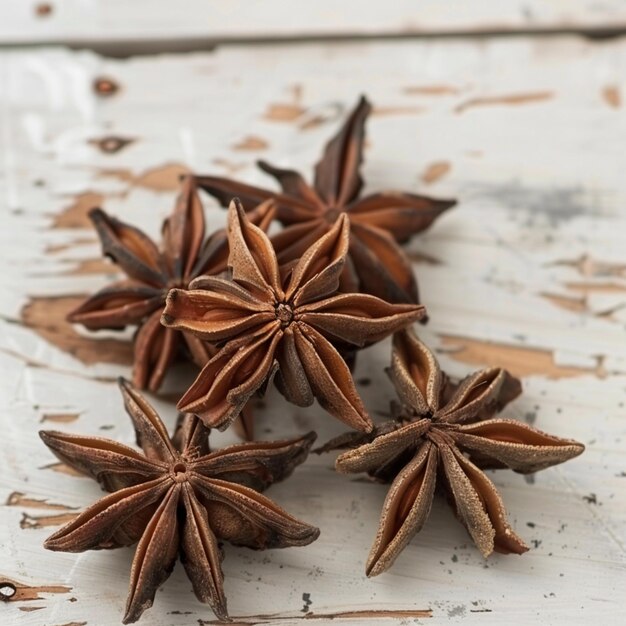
[
  {"x": 139, "y": 299},
  {"x": 292, "y": 310},
  {"x": 178, "y": 499},
  {"x": 283, "y": 321},
  {"x": 378, "y": 222},
  {"x": 445, "y": 435}
]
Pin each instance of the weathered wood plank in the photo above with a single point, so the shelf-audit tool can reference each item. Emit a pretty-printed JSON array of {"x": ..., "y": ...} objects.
[
  {"x": 528, "y": 271},
  {"x": 202, "y": 22}
]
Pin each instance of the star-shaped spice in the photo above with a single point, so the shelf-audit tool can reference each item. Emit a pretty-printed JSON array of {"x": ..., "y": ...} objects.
[
  {"x": 178, "y": 498},
  {"x": 139, "y": 299},
  {"x": 448, "y": 438},
  {"x": 379, "y": 221},
  {"x": 268, "y": 320}
]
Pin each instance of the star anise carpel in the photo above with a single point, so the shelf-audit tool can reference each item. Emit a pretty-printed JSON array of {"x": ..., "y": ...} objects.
[
  {"x": 269, "y": 319},
  {"x": 139, "y": 299},
  {"x": 178, "y": 497},
  {"x": 379, "y": 221},
  {"x": 446, "y": 436}
]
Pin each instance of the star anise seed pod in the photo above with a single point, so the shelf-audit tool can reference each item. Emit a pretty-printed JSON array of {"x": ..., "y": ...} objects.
[
  {"x": 178, "y": 497},
  {"x": 268, "y": 322},
  {"x": 139, "y": 300},
  {"x": 447, "y": 438},
  {"x": 378, "y": 221}
]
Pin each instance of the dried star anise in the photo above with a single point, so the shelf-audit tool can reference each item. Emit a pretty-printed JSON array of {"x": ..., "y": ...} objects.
[
  {"x": 139, "y": 300},
  {"x": 378, "y": 221},
  {"x": 270, "y": 322},
  {"x": 450, "y": 437},
  {"x": 178, "y": 497}
]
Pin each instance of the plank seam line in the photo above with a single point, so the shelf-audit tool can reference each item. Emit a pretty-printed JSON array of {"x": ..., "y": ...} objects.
[{"x": 125, "y": 48}]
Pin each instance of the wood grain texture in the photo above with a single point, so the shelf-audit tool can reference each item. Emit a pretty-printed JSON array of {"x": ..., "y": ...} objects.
[
  {"x": 194, "y": 23},
  {"x": 541, "y": 220}
]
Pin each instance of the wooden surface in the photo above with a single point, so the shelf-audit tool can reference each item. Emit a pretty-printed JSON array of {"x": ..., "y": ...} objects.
[
  {"x": 202, "y": 22},
  {"x": 528, "y": 272}
]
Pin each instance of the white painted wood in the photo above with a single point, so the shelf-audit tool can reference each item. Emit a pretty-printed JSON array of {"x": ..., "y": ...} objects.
[
  {"x": 119, "y": 21},
  {"x": 533, "y": 134}
]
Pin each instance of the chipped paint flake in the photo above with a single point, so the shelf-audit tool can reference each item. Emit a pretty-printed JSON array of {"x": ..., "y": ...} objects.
[
  {"x": 251, "y": 142},
  {"x": 435, "y": 171},
  {"x": 516, "y": 99},
  {"x": 612, "y": 96}
]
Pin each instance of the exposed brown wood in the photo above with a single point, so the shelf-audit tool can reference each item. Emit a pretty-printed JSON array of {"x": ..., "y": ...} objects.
[
  {"x": 164, "y": 177},
  {"x": 435, "y": 171},
  {"x": 46, "y": 316},
  {"x": 92, "y": 266},
  {"x": 75, "y": 215},
  {"x": 62, "y": 247},
  {"x": 283, "y": 112},
  {"x": 251, "y": 142},
  {"x": 42, "y": 521},
  {"x": 230, "y": 167},
  {"x": 17, "y": 498},
  {"x": 589, "y": 266},
  {"x": 568, "y": 303},
  {"x": 62, "y": 468},
  {"x": 25, "y": 593},
  {"x": 515, "y": 99},
  {"x": 432, "y": 90},
  {"x": 604, "y": 287},
  {"x": 60, "y": 418},
  {"x": 519, "y": 361},
  {"x": 612, "y": 96}
]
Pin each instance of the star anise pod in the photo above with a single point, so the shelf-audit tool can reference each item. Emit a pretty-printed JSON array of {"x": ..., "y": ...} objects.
[
  {"x": 139, "y": 299},
  {"x": 448, "y": 438},
  {"x": 378, "y": 221},
  {"x": 268, "y": 321},
  {"x": 178, "y": 498}
]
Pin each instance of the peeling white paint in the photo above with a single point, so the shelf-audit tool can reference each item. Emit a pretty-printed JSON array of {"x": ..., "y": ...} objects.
[{"x": 542, "y": 205}]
